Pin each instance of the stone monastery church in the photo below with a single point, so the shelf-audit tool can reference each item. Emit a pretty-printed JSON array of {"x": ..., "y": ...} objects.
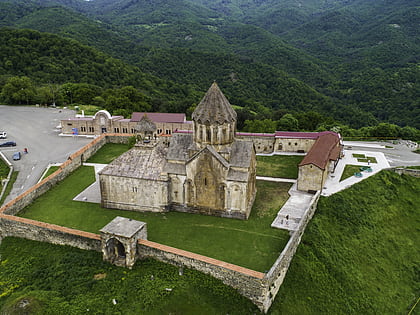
[{"x": 206, "y": 171}]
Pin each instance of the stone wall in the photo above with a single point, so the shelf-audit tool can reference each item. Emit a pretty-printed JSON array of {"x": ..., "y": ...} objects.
[
  {"x": 248, "y": 282},
  {"x": 262, "y": 143},
  {"x": 49, "y": 233},
  {"x": 407, "y": 171}
]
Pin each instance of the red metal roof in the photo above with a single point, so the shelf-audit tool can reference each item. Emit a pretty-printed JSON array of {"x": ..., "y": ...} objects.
[
  {"x": 323, "y": 150},
  {"x": 160, "y": 117}
]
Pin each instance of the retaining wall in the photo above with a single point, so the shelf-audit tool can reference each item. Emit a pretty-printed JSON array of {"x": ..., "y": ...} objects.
[
  {"x": 407, "y": 171},
  {"x": 45, "y": 232},
  {"x": 275, "y": 276}
]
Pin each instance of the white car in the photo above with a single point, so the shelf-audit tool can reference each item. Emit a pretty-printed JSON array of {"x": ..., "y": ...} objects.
[{"x": 3, "y": 134}]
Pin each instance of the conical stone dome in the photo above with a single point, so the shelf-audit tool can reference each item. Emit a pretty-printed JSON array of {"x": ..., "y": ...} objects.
[
  {"x": 214, "y": 108},
  {"x": 214, "y": 119}
]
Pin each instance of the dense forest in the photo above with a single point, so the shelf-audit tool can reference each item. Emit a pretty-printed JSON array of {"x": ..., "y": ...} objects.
[{"x": 307, "y": 66}]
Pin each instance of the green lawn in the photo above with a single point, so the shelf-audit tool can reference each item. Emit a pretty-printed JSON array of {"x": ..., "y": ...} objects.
[
  {"x": 364, "y": 158},
  {"x": 108, "y": 153},
  {"x": 9, "y": 186},
  {"x": 252, "y": 243},
  {"x": 349, "y": 171},
  {"x": 4, "y": 170},
  {"x": 51, "y": 170},
  {"x": 284, "y": 166}
]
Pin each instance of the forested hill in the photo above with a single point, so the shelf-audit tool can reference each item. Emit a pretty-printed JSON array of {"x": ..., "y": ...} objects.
[{"x": 355, "y": 61}]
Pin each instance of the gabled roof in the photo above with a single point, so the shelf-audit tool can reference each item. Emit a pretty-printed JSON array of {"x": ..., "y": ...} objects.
[
  {"x": 160, "y": 117},
  {"x": 146, "y": 125},
  {"x": 214, "y": 108},
  {"x": 214, "y": 153},
  {"x": 324, "y": 149}
]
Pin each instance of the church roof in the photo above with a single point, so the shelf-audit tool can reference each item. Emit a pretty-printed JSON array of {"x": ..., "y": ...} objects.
[
  {"x": 214, "y": 108},
  {"x": 145, "y": 125},
  {"x": 138, "y": 163}
]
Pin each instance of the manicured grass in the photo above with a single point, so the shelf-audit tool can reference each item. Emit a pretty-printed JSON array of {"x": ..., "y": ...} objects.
[
  {"x": 4, "y": 170},
  {"x": 9, "y": 186},
  {"x": 108, "y": 153},
  {"x": 53, "y": 279},
  {"x": 51, "y": 170},
  {"x": 349, "y": 171},
  {"x": 368, "y": 159},
  {"x": 252, "y": 243},
  {"x": 284, "y": 166},
  {"x": 365, "y": 159}
]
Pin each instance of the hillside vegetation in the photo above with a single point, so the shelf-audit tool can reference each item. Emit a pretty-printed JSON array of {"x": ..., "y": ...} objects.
[
  {"x": 358, "y": 255},
  {"x": 353, "y": 62}
]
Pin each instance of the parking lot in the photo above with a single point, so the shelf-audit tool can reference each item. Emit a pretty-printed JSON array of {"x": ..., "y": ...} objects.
[{"x": 35, "y": 129}]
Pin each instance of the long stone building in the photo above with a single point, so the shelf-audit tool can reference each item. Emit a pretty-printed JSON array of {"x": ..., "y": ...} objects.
[
  {"x": 206, "y": 171},
  {"x": 104, "y": 122}
]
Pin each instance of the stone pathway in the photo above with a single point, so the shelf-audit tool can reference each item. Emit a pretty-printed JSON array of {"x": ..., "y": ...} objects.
[
  {"x": 333, "y": 185},
  {"x": 276, "y": 179},
  {"x": 293, "y": 210}
]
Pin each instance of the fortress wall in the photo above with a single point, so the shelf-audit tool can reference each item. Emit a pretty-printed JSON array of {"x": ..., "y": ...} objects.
[
  {"x": 73, "y": 162},
  {"x": 249, "y": 283},
  {"x": 49, "y": 233},
  {"x": 275, "y": 276}
]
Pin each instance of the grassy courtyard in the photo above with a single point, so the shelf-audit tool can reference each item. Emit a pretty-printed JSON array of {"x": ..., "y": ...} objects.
[
  {"x": 283, "y": 166},
  {"x": 108, "y": 153},
  {"x": 252, "y": 243}
]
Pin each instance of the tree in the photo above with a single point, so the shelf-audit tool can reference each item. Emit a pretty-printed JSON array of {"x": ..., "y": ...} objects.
[
  {"x": 18, "y": 90},
  {"x": 385, "y": 130},
  {"x": 288, "y": 122}
]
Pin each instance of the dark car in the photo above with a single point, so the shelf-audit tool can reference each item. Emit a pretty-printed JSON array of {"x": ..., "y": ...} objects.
[
  {"x": 16, "y": 156},
  {"x": 8, "y": 144}
]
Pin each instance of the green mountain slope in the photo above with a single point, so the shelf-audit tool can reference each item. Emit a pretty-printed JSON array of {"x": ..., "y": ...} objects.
[
  {"x": 358, "y": 55},
  {"x": 359, "y": 254}
]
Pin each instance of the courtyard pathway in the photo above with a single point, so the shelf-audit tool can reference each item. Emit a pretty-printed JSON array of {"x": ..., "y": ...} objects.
[{"x": 333, "y": 184}]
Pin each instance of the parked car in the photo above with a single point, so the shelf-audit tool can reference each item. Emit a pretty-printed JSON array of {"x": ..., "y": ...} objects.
[
  {"x": 3, "y": 134},
  {"x": 8, "y": 144},
  {"x": 16, "y": 156}
]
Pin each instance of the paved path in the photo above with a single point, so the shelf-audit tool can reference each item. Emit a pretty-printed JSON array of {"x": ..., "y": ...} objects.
[
  {"x": 293, "y": 210},
  {"x": 276, "y": 179},
  {"x": 333, "y": 184}
]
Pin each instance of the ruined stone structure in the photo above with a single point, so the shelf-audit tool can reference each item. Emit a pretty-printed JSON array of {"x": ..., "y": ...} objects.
[{"x": 205, "y": 171}]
